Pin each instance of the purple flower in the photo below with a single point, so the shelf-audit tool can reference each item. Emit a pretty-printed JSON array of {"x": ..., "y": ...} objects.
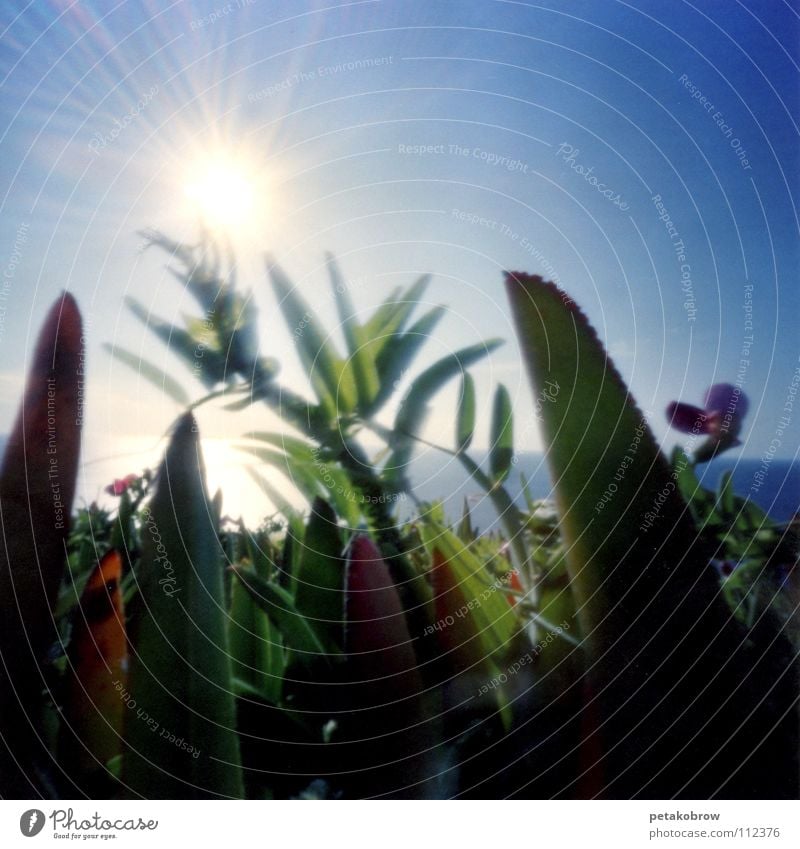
[{"x": 720, "y": 419}]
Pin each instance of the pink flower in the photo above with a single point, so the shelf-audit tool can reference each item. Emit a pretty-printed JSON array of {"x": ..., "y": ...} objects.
[
  {"x": 121, "y": 485},
  {"x": 720, "y": 419}
]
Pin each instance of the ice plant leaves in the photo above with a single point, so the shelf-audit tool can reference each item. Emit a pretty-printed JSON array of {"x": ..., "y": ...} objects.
[
  {"x": 180, "y": 724},
  {"x": 501, "y": 452},
  {"x": 465, "y": 418},
  {"x": 663, "y": 650},
  {"x": 610, "y": 478},
  {"x": 493, "y": 619},
  {"x": 298, "y": 633},
  {"x": 383, "y": 717},
  {"x": 37, "y": 486},
  {"x": 320, "y": 576}
]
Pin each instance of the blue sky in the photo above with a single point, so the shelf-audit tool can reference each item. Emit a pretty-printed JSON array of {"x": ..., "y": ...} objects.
[{"x": 459, "y": 139}]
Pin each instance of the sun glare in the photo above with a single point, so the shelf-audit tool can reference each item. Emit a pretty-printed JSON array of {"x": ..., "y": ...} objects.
[{"x": 226, "y": 193}]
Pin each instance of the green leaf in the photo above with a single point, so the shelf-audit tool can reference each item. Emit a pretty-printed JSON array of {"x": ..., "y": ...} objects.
[
  {"x": 151, "y": 373},
  {"x": 180, "y": 679},
  {"x": 311, "y": 476},
  {"x": 396, "y": 358},
  {"x": 689, "y": 487},
  {"x": 414, "y": 408},
  {"x": 319, "y": 594},
  {"x": 466, "y": 533},
  {"x": 324, "y": 368},
  {"x": 501, "y": 452},
  {"x": 362, "y": 364},
  {"x": 377, "y": 321},
  {"x": 393, "y": 314},
  {"x": 301, "y": 475},
  {"x": 465, "y": 418},
  {"x": 256, "y": 651},
  {"x": 491, "y": 615},
  {"x": 663, "y": 651},
  {"x": 278, "y": 604},
  {"x": 726, "y": 498},
  {"x": 608, "y": 470},
  {"x": 208, "y": 365}
]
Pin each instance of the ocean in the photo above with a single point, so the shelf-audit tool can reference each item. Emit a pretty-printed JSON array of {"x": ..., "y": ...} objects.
[{"x": 436, "y": 476}]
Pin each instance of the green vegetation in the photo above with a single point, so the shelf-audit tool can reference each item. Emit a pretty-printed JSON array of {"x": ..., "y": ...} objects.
[{"x": 596, "y": 648}]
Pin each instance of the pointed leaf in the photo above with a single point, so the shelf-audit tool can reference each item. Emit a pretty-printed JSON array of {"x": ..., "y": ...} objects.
[
  {"x": 599, "y": 444},
  {"x": 501, "y": 451},
  {"x": 208, "y": 365},
  {"x": 362, "y": 364},
  {"x": 393, "y": 314},
  {"x": 396, "y": 358},
  {"x": 413, "y": 410},
  {"x": 664, "y": 651},
  {"x": 319, "y": 594},
  {"x": 465, "y": 419},
  {"x": 494, "y": 620},
  {"x": 182, "y": 733},
  {"x": 313, "y": 478},
  {"x": 299, "y": 634},
  {"x": 318, "y": 356},
  {"x": 256, "y": 652}
]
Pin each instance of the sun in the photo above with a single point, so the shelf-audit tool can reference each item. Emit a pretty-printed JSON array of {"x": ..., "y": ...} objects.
[{"x": 226, "y": 193}]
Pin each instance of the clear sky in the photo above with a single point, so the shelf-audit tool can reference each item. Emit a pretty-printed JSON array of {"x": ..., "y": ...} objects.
[{"x": 645, "y": 154}]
